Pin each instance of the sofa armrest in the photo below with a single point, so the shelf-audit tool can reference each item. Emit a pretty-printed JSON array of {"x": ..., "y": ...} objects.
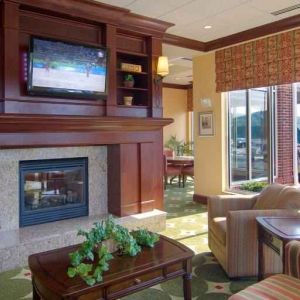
[
  {"x": 241, "y": 236},
  {"x": 218, "y": 206},
  {"x": 292, "y": 259}
]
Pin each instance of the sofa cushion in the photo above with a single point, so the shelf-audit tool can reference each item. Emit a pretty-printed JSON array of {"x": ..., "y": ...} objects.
[
  {"x": 268, "y": 198},
  {"x": 277, "y": 287},
  {"x": 218, "y": 227},
  {"x": 289, "y": 198}
]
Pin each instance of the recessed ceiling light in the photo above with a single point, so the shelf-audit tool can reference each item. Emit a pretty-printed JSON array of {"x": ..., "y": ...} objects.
[{"x": 207, "y": 27}]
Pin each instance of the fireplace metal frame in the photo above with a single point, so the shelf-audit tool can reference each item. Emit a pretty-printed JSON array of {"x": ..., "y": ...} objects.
[{"x": 51, "y": 214}]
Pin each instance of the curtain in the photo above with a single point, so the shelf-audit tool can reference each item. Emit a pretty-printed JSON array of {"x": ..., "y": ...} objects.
[{"x": 268, "y": 61}]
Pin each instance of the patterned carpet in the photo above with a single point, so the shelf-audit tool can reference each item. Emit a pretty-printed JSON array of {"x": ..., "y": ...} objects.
[{"x": 187, "y": 223}]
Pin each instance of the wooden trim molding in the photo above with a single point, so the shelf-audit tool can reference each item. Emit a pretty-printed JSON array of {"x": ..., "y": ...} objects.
[
  {"x": 200, "y": 199},
  {"x": 254, "y": 33},
  {"x": 99, "y": 13},
  {"x": 177, "y": 86},
  {"x": 250, "y": 34},
  {"x": 183, "y": 42}
]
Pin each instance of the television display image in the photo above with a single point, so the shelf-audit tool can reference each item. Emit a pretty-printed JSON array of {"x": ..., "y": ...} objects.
[{"x": 61, "y": 68}]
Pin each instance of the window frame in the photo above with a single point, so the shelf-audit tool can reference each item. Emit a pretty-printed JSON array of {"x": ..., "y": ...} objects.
[{"x": 271, "y": 138}]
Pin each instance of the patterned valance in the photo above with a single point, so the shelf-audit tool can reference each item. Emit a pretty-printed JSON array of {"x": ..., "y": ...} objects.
[{"x": 268, "y": 61}]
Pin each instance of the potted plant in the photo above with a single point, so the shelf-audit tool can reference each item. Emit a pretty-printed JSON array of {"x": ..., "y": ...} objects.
[
  {"x": 92, "y": 258},
  {"x": 128, "y": 80},
  {"x": 173, "y": 144}
]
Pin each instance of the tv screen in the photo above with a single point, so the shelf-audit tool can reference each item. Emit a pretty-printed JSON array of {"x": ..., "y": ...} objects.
[{"x": 66, "y": 69}]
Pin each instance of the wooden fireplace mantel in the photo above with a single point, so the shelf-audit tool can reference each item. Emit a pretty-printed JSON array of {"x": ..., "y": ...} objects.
[
  {"x": 19, "y": 131},
  {"x": 13, "y": 123}
]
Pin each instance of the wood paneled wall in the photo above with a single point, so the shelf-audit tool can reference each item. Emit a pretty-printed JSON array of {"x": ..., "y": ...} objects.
[{"x": 133, "y": 134}]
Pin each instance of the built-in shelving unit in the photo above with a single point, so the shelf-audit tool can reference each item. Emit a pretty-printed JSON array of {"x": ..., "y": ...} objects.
[{"x": 140, "y": 90}]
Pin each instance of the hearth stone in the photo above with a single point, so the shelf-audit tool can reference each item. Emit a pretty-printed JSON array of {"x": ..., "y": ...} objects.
[{"x": 16, "y": 245}]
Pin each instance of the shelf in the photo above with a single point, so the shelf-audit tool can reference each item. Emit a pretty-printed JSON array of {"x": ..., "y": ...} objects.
[
  {"x": 132, "y": 53},
  {"x": 136, "y": 73},
  {"x": 134, "y": 106},
  {"x": 132, "y": 89}
]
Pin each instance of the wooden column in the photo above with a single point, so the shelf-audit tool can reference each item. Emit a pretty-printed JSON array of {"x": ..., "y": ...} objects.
[
  {"x": 110, "y": 42},
  {"x": 135, "y": 177},
  {"x": 1, "y": 56},
  {"x": 155, "y": 48},
  {"x": 11, "y": 75}
]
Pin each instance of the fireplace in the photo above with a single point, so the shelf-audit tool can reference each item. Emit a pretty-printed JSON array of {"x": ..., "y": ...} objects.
[{"x": 52, "y": 190}]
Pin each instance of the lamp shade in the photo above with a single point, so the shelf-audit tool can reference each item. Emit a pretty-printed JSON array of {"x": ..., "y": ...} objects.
[{"x": 163, "y": 66}]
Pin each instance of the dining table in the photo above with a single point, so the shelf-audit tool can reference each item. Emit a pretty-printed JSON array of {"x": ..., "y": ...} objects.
[{"x": 181, "y": 162}]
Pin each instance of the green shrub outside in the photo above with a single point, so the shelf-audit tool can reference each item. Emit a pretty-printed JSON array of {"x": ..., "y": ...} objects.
[{"x": 253, "y": 186}]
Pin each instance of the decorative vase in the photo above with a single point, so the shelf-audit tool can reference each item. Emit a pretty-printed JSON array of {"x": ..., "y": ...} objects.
[{"x": 128, "y": 100}]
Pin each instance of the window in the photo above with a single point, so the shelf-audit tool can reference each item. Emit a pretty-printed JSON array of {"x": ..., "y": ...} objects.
[
  {"x": 297, "y": 127},
  {"x": 251, "y": 135}
]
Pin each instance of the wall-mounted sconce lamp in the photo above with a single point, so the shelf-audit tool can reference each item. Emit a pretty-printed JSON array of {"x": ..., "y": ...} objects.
[
  {"x": 162, "y": 68},
  {"x": 206, "y": 102}
]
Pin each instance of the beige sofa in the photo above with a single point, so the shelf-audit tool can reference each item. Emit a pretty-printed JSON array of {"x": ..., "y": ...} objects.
[{"x": 232, "y": 229}]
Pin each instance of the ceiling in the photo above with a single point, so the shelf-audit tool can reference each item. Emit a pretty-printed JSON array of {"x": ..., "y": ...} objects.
[{"x": 190, "y": 16}]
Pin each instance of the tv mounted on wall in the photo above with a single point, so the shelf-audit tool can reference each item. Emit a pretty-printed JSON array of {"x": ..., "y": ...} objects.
[{"x": 58, "y": 68}]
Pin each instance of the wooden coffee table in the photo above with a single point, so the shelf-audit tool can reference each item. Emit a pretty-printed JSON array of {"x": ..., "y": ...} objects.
[{"x": 168, "y": 259}]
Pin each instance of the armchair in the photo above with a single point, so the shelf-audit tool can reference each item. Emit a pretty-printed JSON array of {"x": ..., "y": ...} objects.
[
  {"x": 281, "y": 286},
  {"x": 232, "y": 229}
]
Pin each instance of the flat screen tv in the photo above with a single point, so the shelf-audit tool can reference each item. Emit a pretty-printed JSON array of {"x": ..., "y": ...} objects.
[{"x": 58, "y": 68}]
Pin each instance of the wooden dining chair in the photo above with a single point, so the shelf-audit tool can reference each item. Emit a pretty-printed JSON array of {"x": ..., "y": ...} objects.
[
  {"x": 168, "y": 152},
  {"x": 171, "y": 171},
  {"x": 187, "y": 171}
]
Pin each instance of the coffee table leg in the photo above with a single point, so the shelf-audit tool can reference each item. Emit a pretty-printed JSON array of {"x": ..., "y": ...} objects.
[
  {"x": 187, "y": 287},
  {"x": 35, "y": 295}
]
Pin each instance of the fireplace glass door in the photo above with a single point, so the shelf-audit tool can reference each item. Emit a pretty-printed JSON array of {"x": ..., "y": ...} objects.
[{"x": 52, "y": 190}]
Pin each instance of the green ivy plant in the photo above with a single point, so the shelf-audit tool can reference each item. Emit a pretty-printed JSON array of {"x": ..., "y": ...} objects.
[
  {"x": 145, "y": 238},
  {"x": 128, "y": 243}
]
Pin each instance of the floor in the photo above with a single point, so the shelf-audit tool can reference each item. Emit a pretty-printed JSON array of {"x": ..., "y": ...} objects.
[{"x": 187, "y": 223}]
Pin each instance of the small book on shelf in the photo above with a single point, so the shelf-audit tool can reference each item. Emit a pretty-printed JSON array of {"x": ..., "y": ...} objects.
[{"x": 131, "y": 67}]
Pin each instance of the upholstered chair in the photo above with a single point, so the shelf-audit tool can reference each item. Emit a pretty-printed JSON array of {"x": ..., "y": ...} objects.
[
  {"x": 281, "y": 286},
  {"x": 232, "y": 228},
  {"x": 168, "y": 152}
]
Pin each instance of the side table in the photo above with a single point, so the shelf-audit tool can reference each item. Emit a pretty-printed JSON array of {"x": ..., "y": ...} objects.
[{"x": 275, "y": 232}]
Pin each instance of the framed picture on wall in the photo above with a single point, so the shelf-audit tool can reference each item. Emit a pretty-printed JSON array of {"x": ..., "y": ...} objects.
[{"x": 206, "y": 124}]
